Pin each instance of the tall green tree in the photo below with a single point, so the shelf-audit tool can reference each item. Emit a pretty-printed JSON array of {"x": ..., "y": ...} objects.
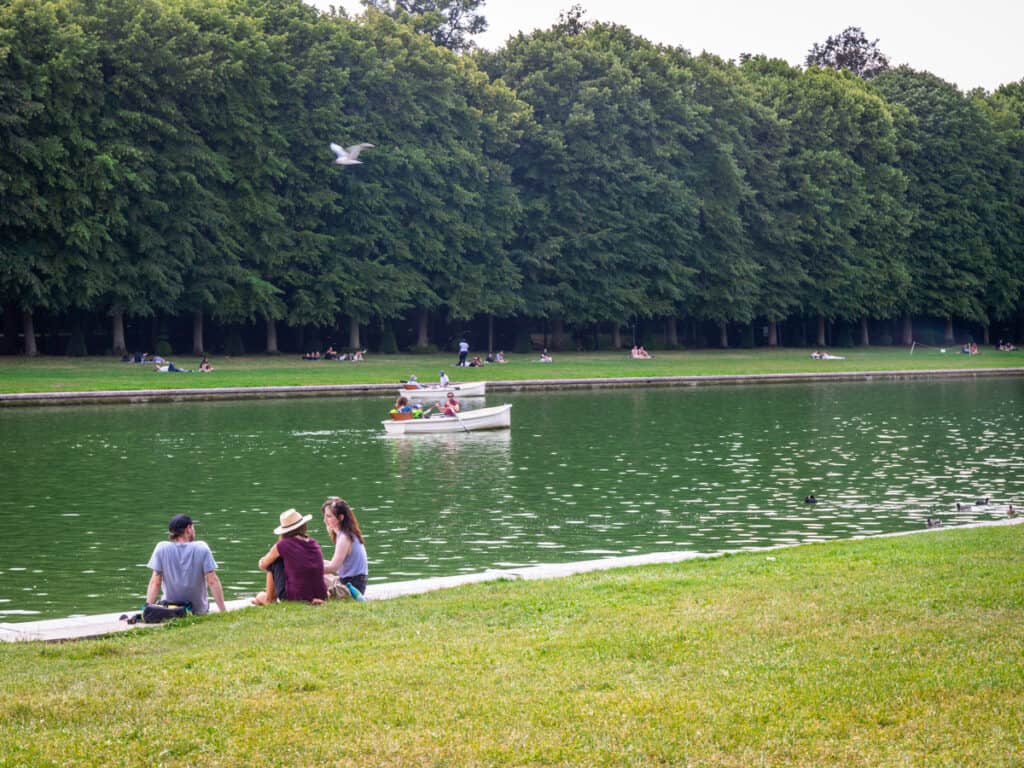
[
  {"x": 850, "y": 50},
  {"x": 845, "y": 191},
  {"x": 449, "y": 23},
  {"x": 949, "y": 154},
  {"x": 1004, "y": 294},
  {"x": 609, "y": 219},
  {"x": 59, "y": 206},
  {"x": 428, "y": 215}
]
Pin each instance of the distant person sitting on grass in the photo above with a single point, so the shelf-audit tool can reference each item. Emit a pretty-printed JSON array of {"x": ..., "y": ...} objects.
[
  {"x": 294, "y": 565},
  {"x": 545, "y": 357},
  {"x": 184, "y": 569},
  {"x": 204, "y": 366}
]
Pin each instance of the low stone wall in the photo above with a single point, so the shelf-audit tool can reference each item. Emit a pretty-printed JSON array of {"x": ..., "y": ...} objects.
[{"x": 363, "y": 390}]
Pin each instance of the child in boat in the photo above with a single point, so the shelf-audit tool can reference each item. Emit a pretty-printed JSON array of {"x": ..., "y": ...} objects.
[{"x": 402, "y": 409}]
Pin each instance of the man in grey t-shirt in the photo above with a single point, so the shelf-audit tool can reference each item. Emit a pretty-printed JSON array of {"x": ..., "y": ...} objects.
[{"x": 184, "y": 568}]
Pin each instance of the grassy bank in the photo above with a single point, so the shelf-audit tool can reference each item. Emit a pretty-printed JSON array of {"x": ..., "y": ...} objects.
[
  {"x": 903, "y": 651},
  {"x": 63, "y": 374}
]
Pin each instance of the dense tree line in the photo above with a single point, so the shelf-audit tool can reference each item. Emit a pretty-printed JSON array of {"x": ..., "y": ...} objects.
[{"x": 165, "y": 172}]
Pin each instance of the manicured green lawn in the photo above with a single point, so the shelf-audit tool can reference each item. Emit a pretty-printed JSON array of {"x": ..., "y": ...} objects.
[
  {"x": 904, "y": 651},
  {"x": 64, "y": 374}
]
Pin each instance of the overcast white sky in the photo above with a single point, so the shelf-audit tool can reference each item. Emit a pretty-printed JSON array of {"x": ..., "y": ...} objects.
[{"x": 968, "y": 43}]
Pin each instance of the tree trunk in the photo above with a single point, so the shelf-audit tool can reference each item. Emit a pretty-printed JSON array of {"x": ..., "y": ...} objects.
[
  {"x": 423, "y": 336},
  {"x": 821, "y": 331},
  {"x": 616, "y": 336},
  {"x": 948, "y": 339},
  {"x": 271, "y": 336},
  {"x": 671, "y": 333},
  {"x": 865, "y": 337},
  {"x": 9, "y": 346},
  {"x": 558, "y": 333},
  {"x": 490, "y": 334},
  {"x": 197, "y": 332},
  {"x": 353, "y": 333},
  {"x": 117, "y": 330},
  {"x": 984, "y": 335},
  {"x": 723, "y": 335},
  {"x": 29, "y": 330},
  {"x": 908, "y": 331},
  {"x": 773, "y": 333}
]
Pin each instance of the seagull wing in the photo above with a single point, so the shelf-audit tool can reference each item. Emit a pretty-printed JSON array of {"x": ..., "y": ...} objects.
[
  {"x": 341, "y": 152},
  {"x": 353, "y": 151}
]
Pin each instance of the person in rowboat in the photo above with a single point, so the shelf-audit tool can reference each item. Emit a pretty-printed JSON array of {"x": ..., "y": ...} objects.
[
  {"x": 349, "y": 563},
  {"x": 451, "y": 405}
]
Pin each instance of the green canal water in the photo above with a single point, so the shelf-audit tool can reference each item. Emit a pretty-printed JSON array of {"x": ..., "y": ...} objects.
[{"x": 86, "y": 492}]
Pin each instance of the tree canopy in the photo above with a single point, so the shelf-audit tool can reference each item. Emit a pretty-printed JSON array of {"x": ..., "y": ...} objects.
[{"x": 165, "y": 172}]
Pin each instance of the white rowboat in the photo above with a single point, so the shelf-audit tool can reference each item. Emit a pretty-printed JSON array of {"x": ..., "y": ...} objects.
[
  {"x": 434, "y": 392},
  {"x": 498, "y": 417}
]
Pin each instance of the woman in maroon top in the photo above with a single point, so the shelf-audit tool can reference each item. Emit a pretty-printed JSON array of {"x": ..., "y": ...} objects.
[{"x": 294, "y": 565}]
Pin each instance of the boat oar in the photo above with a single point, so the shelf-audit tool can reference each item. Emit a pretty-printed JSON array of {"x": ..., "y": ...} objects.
[{"x": 457, "y": 416}]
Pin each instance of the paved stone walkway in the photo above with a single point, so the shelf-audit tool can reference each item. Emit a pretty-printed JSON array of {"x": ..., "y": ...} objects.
[{"x": 104, "y": 624}]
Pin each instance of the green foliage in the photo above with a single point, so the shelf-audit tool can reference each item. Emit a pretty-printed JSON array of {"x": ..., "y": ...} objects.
[
  {"x": 449, "y": 23},
  {"x": 949, "y": 153},
  {"x": 233, "y": 344},
  {"x": 843, "y": 336},
  {"x": 163, "y": 348},
  {"x": 849, "y": 50},
  {"x": 167, "y": 157},
  {"x": 76, "y": 344},
  {"x": 388, "y": 343}
]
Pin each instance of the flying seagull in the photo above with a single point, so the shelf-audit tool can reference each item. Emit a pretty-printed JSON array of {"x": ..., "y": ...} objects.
[{"x": 348, "y": 156}]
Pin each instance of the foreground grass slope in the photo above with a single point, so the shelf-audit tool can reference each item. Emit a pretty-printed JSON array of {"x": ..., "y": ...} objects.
[
  {"x": 902, "y": 651},
  {"x": 65, "y": 374}
]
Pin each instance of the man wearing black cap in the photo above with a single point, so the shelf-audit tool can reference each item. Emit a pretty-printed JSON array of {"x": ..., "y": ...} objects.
[{"x": 184, "y": 568}]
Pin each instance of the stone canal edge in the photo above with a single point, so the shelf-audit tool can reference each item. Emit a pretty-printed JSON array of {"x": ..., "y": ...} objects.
[{"x": 493, "y": 387}]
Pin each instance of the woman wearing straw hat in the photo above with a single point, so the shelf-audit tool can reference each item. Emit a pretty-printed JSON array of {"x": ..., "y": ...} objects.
[{"x": 294, "y": 565}]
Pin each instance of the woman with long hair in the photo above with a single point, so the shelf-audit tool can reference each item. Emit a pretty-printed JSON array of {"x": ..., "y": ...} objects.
[{"x": 349, "y": 560}]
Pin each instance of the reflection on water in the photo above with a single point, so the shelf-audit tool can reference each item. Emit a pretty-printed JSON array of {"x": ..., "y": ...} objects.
[{"x": 88, "y": 491}]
